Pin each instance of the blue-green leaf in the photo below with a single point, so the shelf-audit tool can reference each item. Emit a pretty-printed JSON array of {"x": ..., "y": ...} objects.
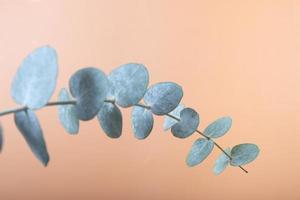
[
  {"x": 67, "y": 114},
  {"x": 129, "y": 84},
  {"x": 188, "y": 124},
  {"x": 243, "y": 154},
  {"x": 141, "y": 122},
  {"x": 163, "y": 97},
  {"x": 218, "y": 128},
  {"x": 89, "y": 86},
  {"x": 29, "y": 126},
  {"x": 199, "y": 151},
  {"x": 35, "y": 79},
  {"x": 221, "y": 162},
  {"x": 168, "y": 121},
  {"x": 110, "y": 119}
]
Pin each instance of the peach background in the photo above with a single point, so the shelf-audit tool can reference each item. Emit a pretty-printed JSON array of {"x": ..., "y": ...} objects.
[{"x": 238, "y": 58}]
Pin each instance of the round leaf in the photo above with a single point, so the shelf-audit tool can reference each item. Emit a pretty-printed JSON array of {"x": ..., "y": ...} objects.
[
  {"x": 243, "y": 154},
  {"x": 188, "y": 124},
  {"x": 89, "y": 86},
  {"x": 129, "y": 83},
  {"x": 141, "y": 122},
  {"x": 169, "y": 121},
  {"x": 67, "y": 114},
  {"x": 221, "y": 162},
  {"x": 163, "y": 97},
  {"x": 29, "y": 126},
  {"x": 110, "y": 119},
  {"x": 199, "y": 151},
  {"x": 218, "y": 128},
  {"x": 35, "y": 79}
]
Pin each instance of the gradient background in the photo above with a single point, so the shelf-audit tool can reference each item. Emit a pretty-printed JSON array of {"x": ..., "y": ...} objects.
[{"x": 237, "y": 58}]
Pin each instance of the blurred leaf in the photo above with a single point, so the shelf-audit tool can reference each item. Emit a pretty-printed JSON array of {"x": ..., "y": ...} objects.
[
  {"x": 188, "y": 124},
  {"x": 141, "y": 122},
  {"x": 67, "y": 114},
  {"x": 221, "y": 162},
  {"x": 218, "y": 128},
  {"x": 243, "y": 154},
  {"x": 163, "y": 97},
  {"x": 168, "y": 121},
  {"x": 199, "y": 151},
  {"x": 29, "y": 126},
  {"x": 35, "y": 79},
  {"x": 110, "y": 119},
  {"x": 1, "y": 137},
  {"x": 89, "y": 86},
  {"x": 129, "y": 83}
]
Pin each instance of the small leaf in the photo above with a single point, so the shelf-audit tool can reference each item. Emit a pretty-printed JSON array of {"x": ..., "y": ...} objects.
[
  {"x": 199, "y": 151},
  {"x": 243, "y": 154},
  {"x": 35, "y": 79},
  {"x": 221, "y": 162},
  {"x": 129, "y": 83},
  {"x": 29, "y": 126},
  {"x": 168, "y": 121},
  {"x": 141, "y": 122},
  {"x": 163, "y": 97},
  {"x": 188, "y": 124},
  {"x": 110, "y": 119},
  {"x": 218, "y": 128},
  {"x": 89, "y": 86},
  {"x": 67, "y": 114},
  {"x": 1, "y": 137}
]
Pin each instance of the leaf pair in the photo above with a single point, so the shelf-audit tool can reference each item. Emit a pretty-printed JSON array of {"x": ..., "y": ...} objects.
[
  {"x": 241, "y": 154},
  {"x": 126, "y": 85},
  {"x": 32, "y": 87},
  {"x": 129, "y": 83},
  {"x": 160, "y": 99},
  {"x": 203, "y": 146}
]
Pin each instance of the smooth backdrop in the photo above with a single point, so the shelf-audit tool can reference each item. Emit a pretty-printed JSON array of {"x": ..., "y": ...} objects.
[{"x": 233, "y": 57}]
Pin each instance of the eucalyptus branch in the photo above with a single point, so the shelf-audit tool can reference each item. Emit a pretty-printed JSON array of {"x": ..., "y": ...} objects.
[
  {"x": 95, "y": 94},
  {"x": 73, "y": 102}
]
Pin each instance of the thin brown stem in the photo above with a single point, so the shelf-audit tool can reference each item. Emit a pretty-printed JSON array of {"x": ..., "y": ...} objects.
[
  {"x": 13, "y": 110},
  {"x": 23, "y": 108},
  {"x": 55, "y": 103}
]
